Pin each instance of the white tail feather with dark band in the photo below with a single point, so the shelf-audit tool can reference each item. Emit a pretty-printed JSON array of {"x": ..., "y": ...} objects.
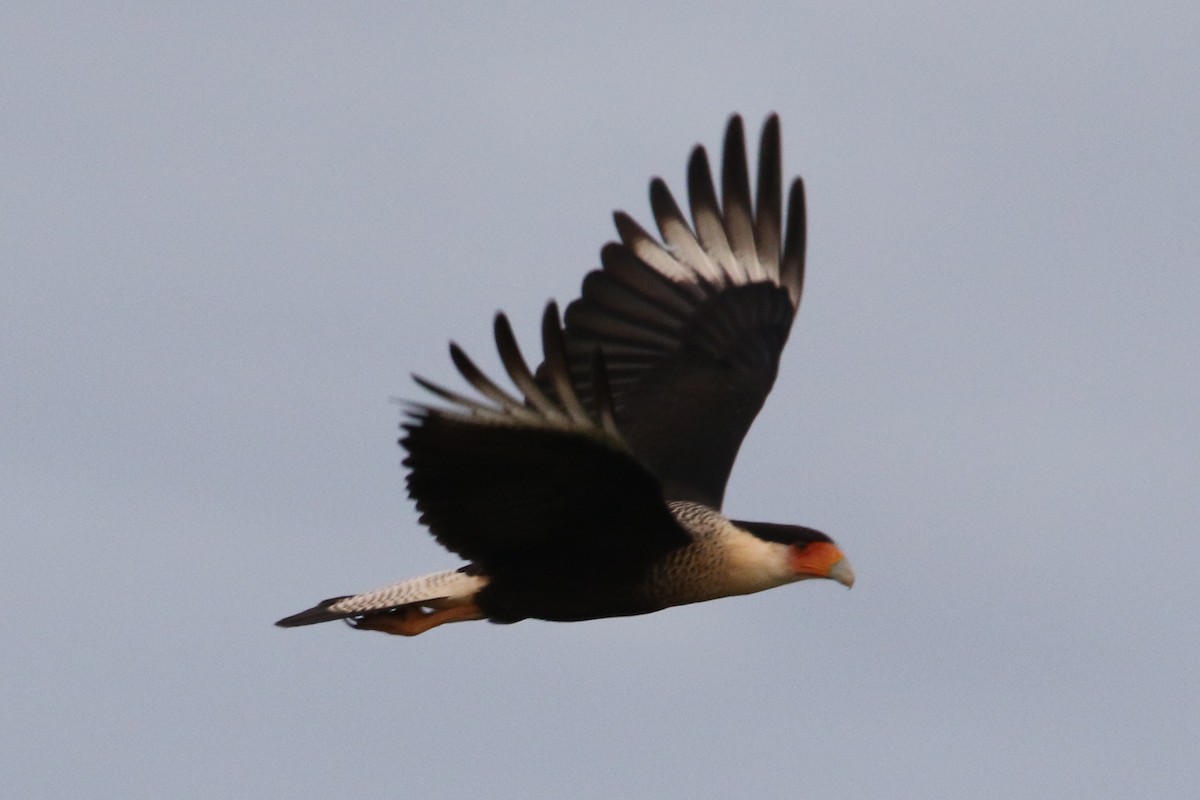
[{"x": 437, "y": 590}]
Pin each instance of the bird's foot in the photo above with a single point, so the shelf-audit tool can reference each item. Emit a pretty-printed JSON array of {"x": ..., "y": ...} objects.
[{"x": 414, "y": 620}]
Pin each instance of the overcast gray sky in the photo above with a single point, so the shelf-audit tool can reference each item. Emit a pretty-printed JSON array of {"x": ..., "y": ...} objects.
[{"x": 231, "y": 232}]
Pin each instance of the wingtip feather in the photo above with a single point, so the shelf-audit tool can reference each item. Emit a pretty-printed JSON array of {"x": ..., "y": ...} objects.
[{"x": 791, "y": 267}]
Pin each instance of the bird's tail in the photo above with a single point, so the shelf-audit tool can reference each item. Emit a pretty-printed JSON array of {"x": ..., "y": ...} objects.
[{"x": 439, "y": 590}]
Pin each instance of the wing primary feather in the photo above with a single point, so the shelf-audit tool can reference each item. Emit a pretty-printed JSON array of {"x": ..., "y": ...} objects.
[
  {"x": 518, "y": 370},
  {"x": 706, "y": 215},
  {"x": 628, "y": 264},
  {"x": 448, "y": 395},
  {"x": 646, "y": 249},
  {"x": 678, "y": 235},
  {"x": 735, "y": 200},
  {"x": 481, "y": 382},
  {"x": 791, "y": 270},
  {"x": 554, "y": 351},
  {"x": 768, "y": 214}
]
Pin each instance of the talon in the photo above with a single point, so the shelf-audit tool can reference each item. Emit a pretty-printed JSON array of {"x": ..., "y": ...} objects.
[{"x": 413, "y": 620}]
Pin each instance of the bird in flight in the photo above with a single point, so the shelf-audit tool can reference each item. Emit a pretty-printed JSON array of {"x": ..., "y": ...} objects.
[{"x": 595, "y": 489}]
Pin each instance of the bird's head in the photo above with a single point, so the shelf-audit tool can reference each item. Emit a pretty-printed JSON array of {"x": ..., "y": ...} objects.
[{"x": 811, "y": 554}]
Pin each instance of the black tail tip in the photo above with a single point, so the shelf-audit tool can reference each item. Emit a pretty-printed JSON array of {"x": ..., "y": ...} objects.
[{"x": 318, "y": 613}]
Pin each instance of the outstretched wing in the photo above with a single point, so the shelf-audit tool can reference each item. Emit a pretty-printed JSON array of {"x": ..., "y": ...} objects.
[
  {"x": 505, "y": 480},
  {"x": 691, "y": 330}
]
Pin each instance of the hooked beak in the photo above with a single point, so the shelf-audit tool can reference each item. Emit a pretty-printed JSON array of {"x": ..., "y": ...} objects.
[
  {"x": 842, "y": 572},
  {"x": 823, "y": 560}
]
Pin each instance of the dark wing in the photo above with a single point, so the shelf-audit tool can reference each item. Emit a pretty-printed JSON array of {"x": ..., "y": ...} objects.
[
  {"x": 506, "y": 480},
  {"x": 691, "y": 330}
]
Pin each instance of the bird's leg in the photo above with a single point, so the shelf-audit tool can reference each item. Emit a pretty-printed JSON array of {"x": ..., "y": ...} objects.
[{"x": 413, "y": 620}]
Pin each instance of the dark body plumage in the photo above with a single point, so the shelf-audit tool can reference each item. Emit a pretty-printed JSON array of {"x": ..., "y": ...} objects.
[{"x": 595, "y": 491}]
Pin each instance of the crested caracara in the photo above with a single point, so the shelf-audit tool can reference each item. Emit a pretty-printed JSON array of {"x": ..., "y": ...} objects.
[{"x": 595, "y": 489}]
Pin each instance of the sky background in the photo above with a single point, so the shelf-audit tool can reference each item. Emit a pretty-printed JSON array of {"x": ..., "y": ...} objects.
[{"x": 230, "y": 234}]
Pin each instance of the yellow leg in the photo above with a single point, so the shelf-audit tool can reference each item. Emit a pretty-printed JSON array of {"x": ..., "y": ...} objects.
[{"x": 413, "y": 620}]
